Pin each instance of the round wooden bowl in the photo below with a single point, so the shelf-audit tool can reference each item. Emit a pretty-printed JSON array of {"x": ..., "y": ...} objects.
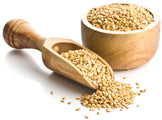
[{"x": 122, "y": 50}]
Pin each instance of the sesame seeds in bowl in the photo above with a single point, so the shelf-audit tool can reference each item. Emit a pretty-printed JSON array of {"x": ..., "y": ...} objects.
[
  {"x": 121, "y": 33},
  {"x": 120, "y": 17}
]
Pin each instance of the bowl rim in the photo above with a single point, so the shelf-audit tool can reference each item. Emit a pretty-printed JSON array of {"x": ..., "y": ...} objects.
[{"x": 155, "y": 22}]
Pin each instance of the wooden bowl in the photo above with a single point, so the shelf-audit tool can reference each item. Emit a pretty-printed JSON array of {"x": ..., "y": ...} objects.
[{"x": 122, "y": 50}]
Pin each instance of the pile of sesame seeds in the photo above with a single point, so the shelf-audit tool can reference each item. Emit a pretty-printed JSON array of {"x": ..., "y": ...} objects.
[
  {"x": 110, "y": 94},
  {"x": 120, "y": 17},
  {"x": 90, "y": 66}
]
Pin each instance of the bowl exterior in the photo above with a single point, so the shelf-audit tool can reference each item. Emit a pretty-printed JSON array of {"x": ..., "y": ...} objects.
[{"x": 122, "y": 51}]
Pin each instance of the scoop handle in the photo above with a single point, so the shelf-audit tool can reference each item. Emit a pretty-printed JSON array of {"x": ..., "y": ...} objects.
[{"x": 19, "y": 34}]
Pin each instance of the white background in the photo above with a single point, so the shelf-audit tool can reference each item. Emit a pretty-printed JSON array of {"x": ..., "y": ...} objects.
[{"x": 25, "y": 83}]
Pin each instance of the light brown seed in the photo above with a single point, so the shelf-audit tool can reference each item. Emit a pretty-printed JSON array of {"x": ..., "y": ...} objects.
[
  {"x": 69, "y": 102},
  {"x": 145, "y": 90},
  {"x": 138, "y": 105},
  {"x": 141, "y": 91},
  {"x": 108, "y": 110},
  {"x": 77, "y": 109},
  {"x": 139, "y": 94},
  {"x": 86, "y": 117},
  {"x": 77, "y": 98},
  {"x": 137, "y": 83},
  {"x": 56, "y": 48},
  {"x": 62, "y": 101},
  {"x": 138, "y": 87},
  {"x": 92, "y": 109},
  {"x": 127, "y": 107},
  {"x": 51, "y": 92},
  {"x": 98, "y": 113},
  {"x": 64, "y": 98},
  {"x": 121, "y": 109},
  {"x": 125, "y": 77}
]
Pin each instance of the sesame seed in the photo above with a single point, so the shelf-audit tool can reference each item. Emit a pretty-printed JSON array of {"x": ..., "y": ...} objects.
[
  {"x": 98, "y": 113},
  {"x": 51, "y": 92},
  {"x": 141, "y": 91},
  {"x": 69, "y": 102},
  {"x": 64, "y": 98},
  {"x": 92, "y": 109},
  {"x": 77, "y": 109},
  {"x": 108, "y": 110},
  {"x": 139, "y": 94},
  {"x": 77, "y": 98},
  {"x": 56, "y": 48},
  {"x": 137, "y": 83},
  {"x": 138, "y": 87},
  {"x": 121, "y": 109},
  {"x": 145, "y": 90},
  {"x": 86, "y": 117}
]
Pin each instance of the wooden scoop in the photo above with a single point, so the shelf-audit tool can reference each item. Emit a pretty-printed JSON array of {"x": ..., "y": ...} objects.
[{"x": 19, "y": 34}]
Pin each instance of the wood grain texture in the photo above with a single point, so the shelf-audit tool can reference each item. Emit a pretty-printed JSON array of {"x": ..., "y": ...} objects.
[
  {"x": 122, "y": 50},
  {"x": 19, "y": 34}
]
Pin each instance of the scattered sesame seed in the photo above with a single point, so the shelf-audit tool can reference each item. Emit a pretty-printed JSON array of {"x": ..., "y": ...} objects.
[
  {"x": 98, "y": 113},
  {"x": 77, "y": 98},
  {"x": 62, "y": 101},
  {"x": 51, "y": 92},
  {"x": 69, "y": 102},
  {"x": 138, "y": 105},
  {"x": 141, "y": 91},
  {"x": 121, "y": 109},
  {"x": 77, "y": 109},
  {"x": 125, "y": 77},
  {"x": 86, "y": 117},
  {"x": 64, "y": 98},
  {"x": 139, "y": 94},
  {"x": 137, "y": 83},
  {"x": 145, "y": 90}
]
